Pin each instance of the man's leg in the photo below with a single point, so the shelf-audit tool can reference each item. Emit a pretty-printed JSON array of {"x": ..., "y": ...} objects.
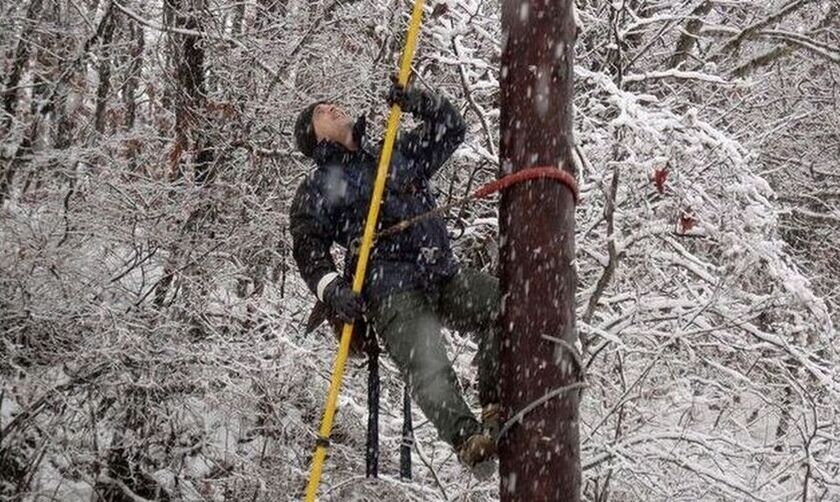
[
  {"x": 410, "y": 330},
  {"x": 470, "y": 302}
]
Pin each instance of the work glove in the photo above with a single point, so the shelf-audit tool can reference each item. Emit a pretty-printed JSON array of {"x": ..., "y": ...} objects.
[
  {"x": 408, "y": 98},
  {"x": 344, "y": 302}
]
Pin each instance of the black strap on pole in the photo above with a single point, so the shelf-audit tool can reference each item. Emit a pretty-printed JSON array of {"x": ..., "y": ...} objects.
[
  {"x": 407, "y": 437},
  {"x": 372, "y": 456}
]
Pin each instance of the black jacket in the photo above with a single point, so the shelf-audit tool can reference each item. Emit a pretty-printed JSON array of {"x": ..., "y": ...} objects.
[{"x": 332, "y": 203}]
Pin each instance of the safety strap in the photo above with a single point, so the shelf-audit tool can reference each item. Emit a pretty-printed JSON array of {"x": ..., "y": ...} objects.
[
  {"x": 407, "y": 436},
  {"x": 528, "y": 174},
  {"x": 503, "y": 183},
  {"x": 372, "y": 447}
]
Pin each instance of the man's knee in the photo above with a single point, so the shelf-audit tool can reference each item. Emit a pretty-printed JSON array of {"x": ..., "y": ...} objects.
[
  {"x": 398, "y": 317},
  {"x": 472, "y": 301},
  {"x": 432, "y": 373}
]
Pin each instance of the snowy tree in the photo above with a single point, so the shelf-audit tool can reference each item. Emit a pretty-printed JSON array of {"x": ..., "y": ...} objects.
[{"x": 152, "y": 319}]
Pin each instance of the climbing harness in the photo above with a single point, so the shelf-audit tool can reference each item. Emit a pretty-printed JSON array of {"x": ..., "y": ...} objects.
[{"x": 364, "y": 254}]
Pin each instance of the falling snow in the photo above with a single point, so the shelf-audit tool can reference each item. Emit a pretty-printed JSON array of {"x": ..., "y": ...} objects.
[{"x": 154, "y": 342}]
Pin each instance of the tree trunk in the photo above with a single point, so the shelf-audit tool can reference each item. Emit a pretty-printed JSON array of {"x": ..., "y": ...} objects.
[
  {"x": 193, "y": 93},
  {"x": 191, "y": 101},
  {"x": 539, "y": 454},
  {"x": 10, "y": 101},
  {"x": 134, "y": 62},
  {"x": 24, "y": 149},
  {"x": 21, "y": 58},
  {"x": 104, "y": 86},
  {"x": 134, "y": 74},
  {"x": 688, "y": 38}
]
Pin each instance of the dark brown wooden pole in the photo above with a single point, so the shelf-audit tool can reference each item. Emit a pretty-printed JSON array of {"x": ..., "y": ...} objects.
[{"x": 539, "y": 455}]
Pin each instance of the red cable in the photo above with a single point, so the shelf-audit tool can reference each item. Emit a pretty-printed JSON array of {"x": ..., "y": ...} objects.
[{"x": 531, "y": 173}]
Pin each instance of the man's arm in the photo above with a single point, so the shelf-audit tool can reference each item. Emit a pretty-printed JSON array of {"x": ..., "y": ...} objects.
[
  {"x": 312, "y": 233},
  {"x": 431, "y": 143}
]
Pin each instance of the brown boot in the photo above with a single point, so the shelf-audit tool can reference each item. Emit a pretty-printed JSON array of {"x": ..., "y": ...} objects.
[
  {"x": 491, "y": 420},
  {"x": 477, "y": 452}
]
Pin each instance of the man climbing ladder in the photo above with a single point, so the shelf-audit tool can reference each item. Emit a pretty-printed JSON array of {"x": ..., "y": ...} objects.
[{"x": 414, "y": 284}]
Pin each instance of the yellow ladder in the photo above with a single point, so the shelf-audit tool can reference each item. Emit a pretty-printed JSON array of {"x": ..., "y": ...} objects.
[{"x": 364, "y": 254}]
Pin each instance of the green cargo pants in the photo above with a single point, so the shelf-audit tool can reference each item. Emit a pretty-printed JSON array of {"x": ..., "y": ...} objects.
[{"x": 409, "y": 325}]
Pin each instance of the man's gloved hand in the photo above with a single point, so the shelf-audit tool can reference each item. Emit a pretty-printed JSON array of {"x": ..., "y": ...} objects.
[
  {"x": 409, "y": 99},
  {"x": 346, "y": 304}
]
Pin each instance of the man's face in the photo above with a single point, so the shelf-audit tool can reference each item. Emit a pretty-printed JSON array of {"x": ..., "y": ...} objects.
[{"x": 331, "y": 122}]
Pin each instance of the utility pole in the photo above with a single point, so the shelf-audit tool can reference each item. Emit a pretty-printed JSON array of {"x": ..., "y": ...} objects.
[{"x": 540, "y": 453}]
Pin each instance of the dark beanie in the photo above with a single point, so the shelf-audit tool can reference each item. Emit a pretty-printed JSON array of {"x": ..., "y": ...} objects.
[{"x": 305, "y": 130}]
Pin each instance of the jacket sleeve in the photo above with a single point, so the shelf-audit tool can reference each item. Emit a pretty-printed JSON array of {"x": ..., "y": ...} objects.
[
  {"x": 431, "y": 143},
  {"x": 312, "y": 236}
]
